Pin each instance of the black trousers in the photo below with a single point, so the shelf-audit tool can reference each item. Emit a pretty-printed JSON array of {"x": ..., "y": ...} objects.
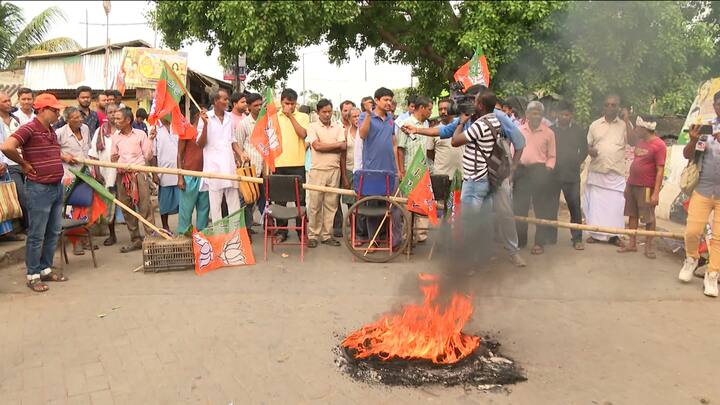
[
  {"x": 532, "y": 186},
  {"x": 293, "y": 171},
  {"x": 571, "y": 192}
]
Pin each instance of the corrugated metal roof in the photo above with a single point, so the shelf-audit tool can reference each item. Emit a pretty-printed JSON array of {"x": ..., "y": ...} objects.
[
  {"x": 10, "y": 89},
  {"x": 60, "y": 73},
  {"x": 85, "y": 51}
]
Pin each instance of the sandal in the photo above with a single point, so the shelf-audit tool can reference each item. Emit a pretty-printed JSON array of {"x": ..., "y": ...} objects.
[
  {"x": 37, "y": 285},
  {"x": 109, "y": 241},
  {"x": 537, "y": 250},
  {"x": 130, "y": 248},
  {"x": 54, "y": 277},
  {"x": 627, "y": 249},
  {"x": 615, "y": 240},
  {"x": 578, "y": 246},
  {"x": 94, "y": 247},
  {"x": 331, "y": 242}
]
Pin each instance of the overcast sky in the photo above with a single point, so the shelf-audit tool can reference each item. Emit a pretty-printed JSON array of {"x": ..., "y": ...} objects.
[{"x": 335, "y": 82}]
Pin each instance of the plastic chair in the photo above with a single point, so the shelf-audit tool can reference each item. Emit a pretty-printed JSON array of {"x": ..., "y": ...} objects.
[
  {"x": 282, "y": 189},
  {"x": 78, "y": 198}
]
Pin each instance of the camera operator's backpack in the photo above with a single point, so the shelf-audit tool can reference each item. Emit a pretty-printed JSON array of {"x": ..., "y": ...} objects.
[{"x": 499, "y": 161}]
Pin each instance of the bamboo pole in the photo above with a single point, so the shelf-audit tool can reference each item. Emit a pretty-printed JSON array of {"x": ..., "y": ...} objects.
[
  {"x": 351, "y": 193},
  {"x": 601, "y": 229},
  {"x": 140, "y": 217},
  {"x": 167, "y": 170}
]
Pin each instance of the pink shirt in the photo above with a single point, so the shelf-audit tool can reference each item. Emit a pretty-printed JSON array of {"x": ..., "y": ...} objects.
[
  {"x": 236, "y": 120},
  {"x": 134, "y": 148},
  {"x": 539, "y": 146}
]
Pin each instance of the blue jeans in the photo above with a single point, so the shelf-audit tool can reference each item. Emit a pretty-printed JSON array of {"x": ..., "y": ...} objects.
[
  {"x": 193, "y": 199},
  {"x": 477, "y": 221},
  {"x": 44, "y": 212},
  {"x": 505, "y": 224}
]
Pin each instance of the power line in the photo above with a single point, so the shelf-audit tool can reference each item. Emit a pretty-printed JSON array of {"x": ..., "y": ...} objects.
[{"x": 103, "y": 24}]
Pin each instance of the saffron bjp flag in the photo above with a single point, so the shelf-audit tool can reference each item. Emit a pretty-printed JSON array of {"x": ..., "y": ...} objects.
[
  {"x": 417, "y": 187},
  {"x": 475, "y": 71},
  {"x": 266, "y": 137},
  {"x": 223, "y": 243},
  {"x": 120, "y": 79},
  {"x": 93, "y": 212},
  {"x": 168, "y": 91}
]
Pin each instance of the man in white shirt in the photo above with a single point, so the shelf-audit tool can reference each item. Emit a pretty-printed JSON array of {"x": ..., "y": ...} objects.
[
  {"x": 249, "y": 152},
  {"x": 165, "y": 150},
  {"x": 221, "y": 154},
  {"x": 604, "y": 200},
  {"x": 25, "y": 112}
]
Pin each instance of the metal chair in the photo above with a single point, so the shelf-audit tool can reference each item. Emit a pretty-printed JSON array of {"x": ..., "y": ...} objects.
[
  {"x": 80, "y": 227},
  {"x": 374, "y": 189},
  {"x": 280, "y": 190}
]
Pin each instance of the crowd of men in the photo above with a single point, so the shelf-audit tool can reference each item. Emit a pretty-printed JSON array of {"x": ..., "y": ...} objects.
[{"x": 548, "y": 150}]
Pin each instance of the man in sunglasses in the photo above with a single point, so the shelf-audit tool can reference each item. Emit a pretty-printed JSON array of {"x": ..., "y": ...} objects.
[
  {"x": 604, "y": 200},
  {"x": 42, "y": 164}
]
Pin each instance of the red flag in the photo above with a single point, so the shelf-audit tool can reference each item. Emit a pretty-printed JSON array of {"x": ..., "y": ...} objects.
[
  {"x": 421, "y": 199},
  {"x": 168, "y": 92},
  {"x": 475, "y": 71},
  {"x": 120, "y": 79},
  {"x": 266, "y": 137}
]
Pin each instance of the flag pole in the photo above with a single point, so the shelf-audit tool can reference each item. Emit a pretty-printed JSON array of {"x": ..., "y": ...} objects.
[{"x": 182, "y": 86}]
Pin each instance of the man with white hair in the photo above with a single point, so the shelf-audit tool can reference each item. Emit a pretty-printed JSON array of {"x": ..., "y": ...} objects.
[
  {"x": 604, "y": 201},
  {"x": 533, "y": 175}
]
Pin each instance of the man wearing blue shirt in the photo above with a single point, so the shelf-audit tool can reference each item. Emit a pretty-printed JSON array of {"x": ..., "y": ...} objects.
[
  {"x": 377, "y": 130},
  {"x": 502, "y": 198}
]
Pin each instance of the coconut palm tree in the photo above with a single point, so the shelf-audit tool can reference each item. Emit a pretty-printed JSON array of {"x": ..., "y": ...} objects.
[{"x": 18, "y": 37}]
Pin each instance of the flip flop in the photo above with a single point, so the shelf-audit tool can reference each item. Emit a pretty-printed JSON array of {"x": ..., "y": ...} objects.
[
  {"x": 54, "y": 277},
  {"x": 109, "y": 241},
  {"x": 537, "y": 250},
  {"x": 578, "y": 246}
]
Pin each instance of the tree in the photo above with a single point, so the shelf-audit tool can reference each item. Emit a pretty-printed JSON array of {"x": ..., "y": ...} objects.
[
  {"x": 653, "y": 52},
  {"x": 18, "y": 38},
  {"x": 311, "y": 98}
]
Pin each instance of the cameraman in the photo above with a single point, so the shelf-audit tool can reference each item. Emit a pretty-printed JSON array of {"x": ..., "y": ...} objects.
[{"x": 502, "y": 198}]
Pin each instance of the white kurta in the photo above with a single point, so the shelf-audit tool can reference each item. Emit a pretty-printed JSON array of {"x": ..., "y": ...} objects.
[
  {"x": 218, "y": 156},
  {"x": 604, "y": 202},
  {"x": 108, "y": 173}
]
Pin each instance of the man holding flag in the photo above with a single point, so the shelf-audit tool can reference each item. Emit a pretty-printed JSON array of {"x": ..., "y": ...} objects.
[{"x": 221, "y": 154}]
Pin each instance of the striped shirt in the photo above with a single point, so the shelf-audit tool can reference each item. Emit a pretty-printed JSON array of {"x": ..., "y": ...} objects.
[
  {"x": 40, "y": 148},
  {"x": 480, "y": 142}
]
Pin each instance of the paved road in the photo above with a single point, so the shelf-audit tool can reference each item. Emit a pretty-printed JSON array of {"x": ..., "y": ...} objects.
[{"x": 591, "y": 327}]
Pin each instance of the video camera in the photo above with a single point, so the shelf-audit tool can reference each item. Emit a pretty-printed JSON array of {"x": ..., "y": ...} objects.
[{"x": 461, "y": 102}]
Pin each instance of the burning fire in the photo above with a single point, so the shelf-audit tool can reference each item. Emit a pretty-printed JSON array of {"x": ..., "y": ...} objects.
[{"x": 420, "y": 332}]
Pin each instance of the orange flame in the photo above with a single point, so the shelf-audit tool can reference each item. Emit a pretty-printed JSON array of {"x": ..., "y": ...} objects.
[{"x": 420, "y": 332}]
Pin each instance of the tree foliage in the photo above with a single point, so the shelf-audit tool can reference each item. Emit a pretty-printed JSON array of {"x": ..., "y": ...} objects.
[
  {"x": 653, "y": 53},
  {"x": 18, "y": 37}
]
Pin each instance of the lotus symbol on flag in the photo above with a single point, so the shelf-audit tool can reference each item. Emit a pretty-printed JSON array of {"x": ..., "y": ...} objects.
[
  {"x": 206, "y": 250},
  {"x": 232, "y": 253}
]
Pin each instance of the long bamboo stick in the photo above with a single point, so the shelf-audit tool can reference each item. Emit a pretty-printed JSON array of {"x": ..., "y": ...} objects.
[
  {"x": 601, "y": 229},
  {"x": 351, "y": 193},
  {"x": 141, "y": 219},
  {"x": 168, "y": 170}
]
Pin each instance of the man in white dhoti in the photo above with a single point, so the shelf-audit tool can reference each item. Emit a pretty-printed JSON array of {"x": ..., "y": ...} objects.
[{"x": 604, "y": 189}]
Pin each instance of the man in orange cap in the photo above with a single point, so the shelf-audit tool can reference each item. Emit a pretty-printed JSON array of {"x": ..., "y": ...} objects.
[{"x": 42, "y": 164}]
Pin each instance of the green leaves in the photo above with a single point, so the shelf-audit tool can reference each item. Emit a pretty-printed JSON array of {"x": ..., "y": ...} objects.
[
  {"x": 652, "y": 53},
  {"x": 18, "y": 38}
]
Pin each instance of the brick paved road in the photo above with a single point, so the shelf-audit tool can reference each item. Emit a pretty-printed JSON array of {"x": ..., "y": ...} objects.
[{"x": 589, "y": 328}]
